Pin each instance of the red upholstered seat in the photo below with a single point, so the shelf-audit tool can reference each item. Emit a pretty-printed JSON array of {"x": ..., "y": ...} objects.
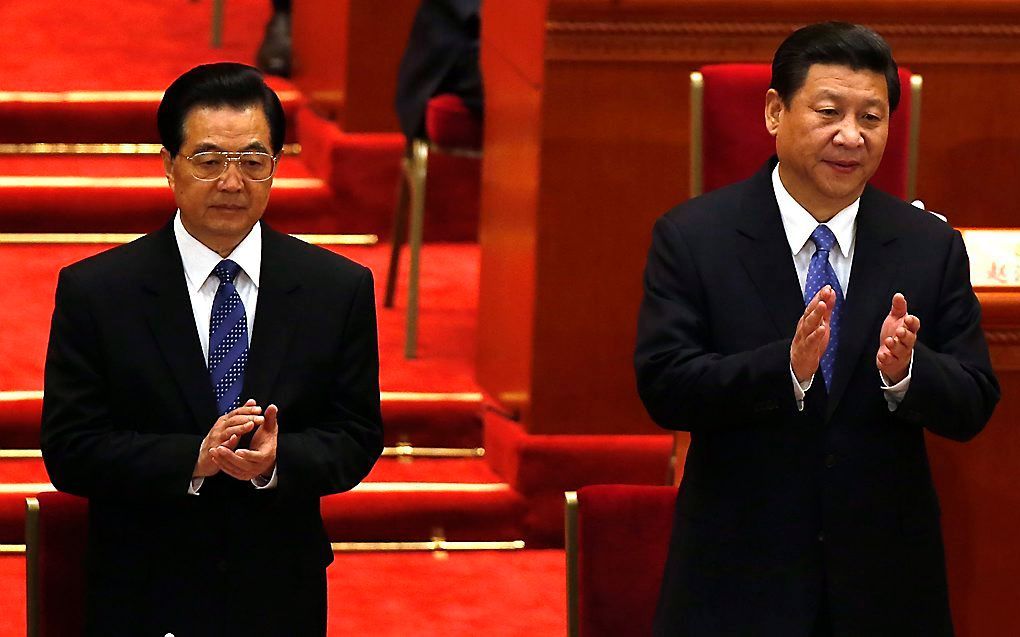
[
  {"x": 618, "y": 541},
  {"x": 735, "y": 143},
  {"x": 56, "y": 536},
  {"x": 450, "y": 124}
]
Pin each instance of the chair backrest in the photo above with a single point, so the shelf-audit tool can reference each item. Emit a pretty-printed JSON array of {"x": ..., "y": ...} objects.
[
  {"x": 729, "y": 141},
  {"x": 617, "y": 537},
  {"x": 55, "y": 535}
]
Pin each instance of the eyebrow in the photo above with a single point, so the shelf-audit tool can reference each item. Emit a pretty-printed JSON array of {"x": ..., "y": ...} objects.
[
  {"x": 834, "y": 95},
  {"x": 209, "y": 146}
]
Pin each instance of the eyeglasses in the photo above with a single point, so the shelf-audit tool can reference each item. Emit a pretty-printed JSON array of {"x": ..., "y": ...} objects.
[{"x": 210, "y": 166}]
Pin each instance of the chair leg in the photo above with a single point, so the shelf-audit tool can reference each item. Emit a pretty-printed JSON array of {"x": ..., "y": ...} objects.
[
  {"x": 397, "y": 235},
  {"x": 418, "y": 172}
]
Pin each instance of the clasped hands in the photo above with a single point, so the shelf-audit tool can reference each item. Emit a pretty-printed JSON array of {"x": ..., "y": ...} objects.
[
  {"x": 895, "y": 342},
  {"x": 219, "y": 450}
]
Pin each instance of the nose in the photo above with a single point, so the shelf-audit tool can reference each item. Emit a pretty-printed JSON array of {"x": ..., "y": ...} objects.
[
  {"x": 848, "y": 134},
  {"x": 231, "y": 180}
]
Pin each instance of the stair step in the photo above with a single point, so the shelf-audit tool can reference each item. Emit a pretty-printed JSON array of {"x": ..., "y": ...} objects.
[
  {"x": 29, "y": 117},
  {"x": 418, "y": 419},
  {"x": 129, "y": 194},
  {"x": 400, "y": 500}
]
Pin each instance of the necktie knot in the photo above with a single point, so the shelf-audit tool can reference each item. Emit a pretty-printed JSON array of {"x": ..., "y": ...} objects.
[
  {"x": 823, "y": 238},
  {"x": 226, "y": 270}
]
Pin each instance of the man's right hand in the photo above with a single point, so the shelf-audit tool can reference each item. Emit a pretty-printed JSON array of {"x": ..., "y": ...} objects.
[
  {"x": 226, "y": 431},
  {"x": 812, "y": 335}
]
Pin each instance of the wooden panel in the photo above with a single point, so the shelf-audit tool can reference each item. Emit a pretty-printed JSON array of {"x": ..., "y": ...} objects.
[
  {"x": 512, "y": 67},
  {"x": 346, "y": 56}
]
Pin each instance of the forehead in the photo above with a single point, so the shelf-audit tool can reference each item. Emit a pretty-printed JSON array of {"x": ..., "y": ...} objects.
[
  {"x": 840, "y": 81},
  {"x": 226, "y": 126}
]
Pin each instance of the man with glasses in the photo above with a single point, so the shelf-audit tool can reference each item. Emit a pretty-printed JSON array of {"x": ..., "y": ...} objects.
[{"x": 206, "y": 384}]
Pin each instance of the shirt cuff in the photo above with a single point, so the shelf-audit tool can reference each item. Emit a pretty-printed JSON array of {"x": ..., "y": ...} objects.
[
  {"x": 894, "y": 393},
  {"x": 800, "y": 389},
  {"x": 196, "y": 484},
  {"x": 261, "y": 482}
]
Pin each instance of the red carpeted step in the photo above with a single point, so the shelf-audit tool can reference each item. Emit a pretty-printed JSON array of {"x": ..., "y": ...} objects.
[
  {"x": 391, "y": 594},
  {"x": 102, "y": 117},
  {"x": 418, "y": 422},
  {"x": 402, "y": 499},
  {"x": 120, "y": 193}
]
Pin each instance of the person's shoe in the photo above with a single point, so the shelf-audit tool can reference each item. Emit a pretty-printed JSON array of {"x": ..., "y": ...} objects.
[{"x": 274, "y": 52}]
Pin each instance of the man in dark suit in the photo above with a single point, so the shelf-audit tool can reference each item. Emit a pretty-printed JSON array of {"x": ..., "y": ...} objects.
[
  {"x": 441, "y": 57},
  {"x": 775, "y": 328},
  {"x": 206, "y": 384}
]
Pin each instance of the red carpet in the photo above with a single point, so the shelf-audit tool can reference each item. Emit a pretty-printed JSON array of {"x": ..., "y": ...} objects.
[
  {"x": 449, "y": 300},
  {"x": 496, "y": 594}
]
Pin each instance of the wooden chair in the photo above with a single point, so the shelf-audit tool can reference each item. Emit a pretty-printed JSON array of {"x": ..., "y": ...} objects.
[
  {"x": 617, "y": 537},
  {"x": 55, "y": 533},
  {"x": 452, "y": 130},
  {"x": 729, "y": 141}
]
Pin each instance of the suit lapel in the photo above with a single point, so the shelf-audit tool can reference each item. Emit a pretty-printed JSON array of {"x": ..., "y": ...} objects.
[
  {"x": 869, "y": 293},
  {"x": 765, "y": 253},
  {"x": 172, "y": 322},
  {"x": 274, "y": 318}
]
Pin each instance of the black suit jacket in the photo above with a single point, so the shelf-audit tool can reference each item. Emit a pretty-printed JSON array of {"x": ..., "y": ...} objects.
[
  {"x": 441, "y": 57},
  {"x": 779, "y": 507},
  {"x": 128, "y": 401}
]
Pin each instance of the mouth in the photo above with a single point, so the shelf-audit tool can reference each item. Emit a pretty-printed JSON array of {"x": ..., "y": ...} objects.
[
  {"x": 842, "y": 166},
  {"x": 227, "y": 206}
]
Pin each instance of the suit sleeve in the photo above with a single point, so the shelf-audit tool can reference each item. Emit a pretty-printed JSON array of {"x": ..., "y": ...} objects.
[
  {"x": 683, "y": 380},
  {"x": 952, "y": 389},
  {"x": 86, "y": 452},
  {"x": 337, "y": 452}
]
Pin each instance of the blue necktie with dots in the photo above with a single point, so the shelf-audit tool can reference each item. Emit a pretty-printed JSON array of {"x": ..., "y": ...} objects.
[
  {"x": 820, "y": 274},
  {"x": 228, "y": 339}
]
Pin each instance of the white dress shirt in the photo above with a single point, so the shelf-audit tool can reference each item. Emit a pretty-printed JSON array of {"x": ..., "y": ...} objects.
[
  {"x": 199, "y": 262},
  {"x": 798, "y": 225}
]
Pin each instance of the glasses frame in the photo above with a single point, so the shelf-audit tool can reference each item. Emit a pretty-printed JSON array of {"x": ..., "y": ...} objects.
[{"x": 235, "y": 157}]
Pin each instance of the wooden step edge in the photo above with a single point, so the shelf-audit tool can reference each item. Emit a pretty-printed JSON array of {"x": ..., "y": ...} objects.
[
  {"x": 432, "y": 546},
  {"x": 386, "y": 396},
  {"x": 87, "y": 97},
  {"x": 94, "y": 238},
  {"x": 32, "y": 488},
  {"x": 52, "y": 148},
  {"x": 399, "y": 451}
]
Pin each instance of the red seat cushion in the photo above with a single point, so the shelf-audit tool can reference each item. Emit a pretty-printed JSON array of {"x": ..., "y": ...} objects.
[
  {"x": 450, "y": 124},
  {"x": 735, "y": 143},
  {"x": 63, "y": 523},
  {"x": 623, "y": 538}
]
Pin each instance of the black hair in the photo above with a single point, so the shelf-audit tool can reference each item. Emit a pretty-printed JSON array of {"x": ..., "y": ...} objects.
[
  {"x": 220, "y": 84},
  {"x": 842, "y": 43}
]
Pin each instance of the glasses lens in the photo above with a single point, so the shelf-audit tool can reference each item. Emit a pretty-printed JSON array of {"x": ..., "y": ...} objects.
[
  {"x": 208, "y": 165},
  {"x": 254, "y": 166}
]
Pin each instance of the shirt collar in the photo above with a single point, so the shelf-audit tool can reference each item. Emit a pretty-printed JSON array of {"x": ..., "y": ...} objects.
[
  {"x": 799, "y": 224},
  {"x": 199, "y": 260}
]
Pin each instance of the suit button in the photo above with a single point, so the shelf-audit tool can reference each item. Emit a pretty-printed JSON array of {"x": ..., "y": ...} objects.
[
  {"x": 821, "y": 537},
  {"x": 830, "y": 461}
]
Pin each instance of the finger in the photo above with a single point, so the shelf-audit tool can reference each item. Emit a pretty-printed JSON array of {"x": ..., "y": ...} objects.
[
  {"x": 234, "y": 421},
  {"x": 246, "y": 409},
  {"x": 230, "y": 462},
  {"x": 912, "y": 323},
  {"x": 899, "y": 306},
  {"x": 227, "y": 469},
  {"x": 272, "y": 419}
]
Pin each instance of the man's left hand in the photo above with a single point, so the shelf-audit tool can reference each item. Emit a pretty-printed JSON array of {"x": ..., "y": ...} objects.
[
  {"x": 896, "y": 341},
  {"x": 259, "y": 458}
]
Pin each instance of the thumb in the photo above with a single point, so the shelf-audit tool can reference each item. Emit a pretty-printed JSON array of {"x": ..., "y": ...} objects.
[
  {"x": 270, "y": 421},
  {"x": 899, "y": 306}
]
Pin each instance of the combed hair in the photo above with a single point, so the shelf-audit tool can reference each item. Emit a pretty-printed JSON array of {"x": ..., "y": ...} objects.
[
  {"x": 216, "y": 85},
  {"x": 842, "y": 43}
]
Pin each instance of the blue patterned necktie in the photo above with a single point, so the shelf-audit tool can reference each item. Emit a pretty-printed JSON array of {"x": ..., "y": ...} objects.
[
  {"x": 820, "y": 274},
  {"x": 228, "y": 339}
]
